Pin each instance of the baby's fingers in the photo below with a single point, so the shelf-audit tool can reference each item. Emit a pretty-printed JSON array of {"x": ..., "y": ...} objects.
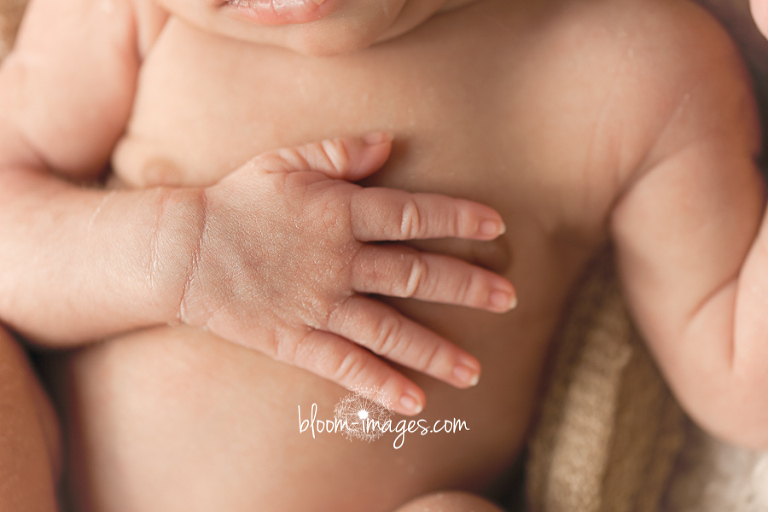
[
  {"x": 353, "y": 367},
  {"x": 346, "y": 158},
  {"x": 389, "y": 334},
  {"x": 396, "y": 271},
  {"x": 382, "y": 214}
]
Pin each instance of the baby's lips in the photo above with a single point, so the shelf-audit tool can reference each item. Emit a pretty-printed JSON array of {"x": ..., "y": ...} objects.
[{"x": 280, "y": 12}]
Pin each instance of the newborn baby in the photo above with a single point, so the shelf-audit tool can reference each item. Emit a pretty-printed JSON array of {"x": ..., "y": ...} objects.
[{"x": 580, "y": 123}]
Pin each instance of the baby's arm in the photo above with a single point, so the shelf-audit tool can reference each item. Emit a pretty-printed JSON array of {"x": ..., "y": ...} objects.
[
  {"x": 692, "y": 253},
  {"x": 275, "y": 256},
  {"x": 69, "y": 273}
]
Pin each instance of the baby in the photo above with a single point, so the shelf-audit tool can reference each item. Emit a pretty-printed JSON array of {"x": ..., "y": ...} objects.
[{"x": 210, "y": 258}]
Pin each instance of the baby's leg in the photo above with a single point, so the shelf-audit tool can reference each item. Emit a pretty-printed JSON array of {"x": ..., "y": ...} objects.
[
  {"x": 29, "y": 436},
  {"x": 449, "y": 502}
]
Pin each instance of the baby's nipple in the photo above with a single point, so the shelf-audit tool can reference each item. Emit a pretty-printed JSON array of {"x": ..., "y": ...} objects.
[{"x": 161, "y": 172}]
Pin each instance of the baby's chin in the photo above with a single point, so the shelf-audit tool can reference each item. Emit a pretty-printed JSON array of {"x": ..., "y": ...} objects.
[
  {"x": 320, "y": 41},
  {"x": 310, "y": 27},
  {"x": 306, "y": 40}
]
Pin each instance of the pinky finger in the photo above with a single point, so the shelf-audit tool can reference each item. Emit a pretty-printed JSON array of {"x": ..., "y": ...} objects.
[
  {"x": 338, "y": 360},
  {"x": 386, "y": 332}
]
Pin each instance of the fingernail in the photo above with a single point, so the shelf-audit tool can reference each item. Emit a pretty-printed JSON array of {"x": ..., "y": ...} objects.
[
  {"x": 372, "y": 139},
  {"x": 502, "y": 300},
  {"x": 411, "y": 404},
  {"x": 466, "y": 375},
  {"x": 490, "y": 227}
]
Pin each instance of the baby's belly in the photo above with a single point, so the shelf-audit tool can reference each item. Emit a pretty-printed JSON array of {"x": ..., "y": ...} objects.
[{"x": 174, "y": 419}]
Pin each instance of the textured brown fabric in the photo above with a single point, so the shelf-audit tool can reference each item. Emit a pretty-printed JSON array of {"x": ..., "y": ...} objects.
[{"x": 609, "y": 431}]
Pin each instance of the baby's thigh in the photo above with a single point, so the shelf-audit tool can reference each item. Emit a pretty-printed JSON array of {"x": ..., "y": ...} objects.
[
  {"x": 29, "y": 434},
  {"x": 451, "y": 501}
]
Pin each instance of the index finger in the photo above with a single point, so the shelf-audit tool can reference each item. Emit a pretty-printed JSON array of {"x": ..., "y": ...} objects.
[{"x": 383, "y": 214}]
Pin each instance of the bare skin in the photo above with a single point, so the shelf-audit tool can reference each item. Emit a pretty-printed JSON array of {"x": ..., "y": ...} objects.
[
  {"x": 579, "y": 123},
  {"x": 449, "y": 502}
]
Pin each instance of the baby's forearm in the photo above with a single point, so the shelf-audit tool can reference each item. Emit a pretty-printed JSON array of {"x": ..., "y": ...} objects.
[
  {"x": 705, "y": 315},
  {"x": 723, "y": 366},
  {"x": 747, "y": 352},
  {"x": 78, "y": 264}
]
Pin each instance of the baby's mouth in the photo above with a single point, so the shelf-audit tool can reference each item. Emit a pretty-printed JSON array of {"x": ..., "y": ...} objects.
[{"x": 279, "y": 12}]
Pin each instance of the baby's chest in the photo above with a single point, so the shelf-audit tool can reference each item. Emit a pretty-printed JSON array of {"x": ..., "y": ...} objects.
[
  {"x": 205, "y": 106},
  {"x": 463, "y": 125}
]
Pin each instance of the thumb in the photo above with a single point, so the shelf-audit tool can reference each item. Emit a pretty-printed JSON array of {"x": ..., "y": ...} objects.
[{"x": 345, "y": 158}]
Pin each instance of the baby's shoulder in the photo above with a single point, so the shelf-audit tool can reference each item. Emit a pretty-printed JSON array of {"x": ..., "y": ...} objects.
[
  {"x": 685, "y": 79},
  {"x": 649, "y": 76},
  {"x": 663, "y": 38},
  {"x": 596, "y": 92}
]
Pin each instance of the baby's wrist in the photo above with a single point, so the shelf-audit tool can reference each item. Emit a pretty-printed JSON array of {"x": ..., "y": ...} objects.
[{"x": 175, "y": 249}]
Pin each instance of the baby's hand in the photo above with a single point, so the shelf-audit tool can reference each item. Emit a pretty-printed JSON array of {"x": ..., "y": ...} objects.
[{"x": 286, "y": 259}]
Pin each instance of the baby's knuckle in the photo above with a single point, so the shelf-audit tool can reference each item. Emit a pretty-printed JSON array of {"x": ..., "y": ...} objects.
[
  {"x": 358, "y": 210},
  {"x": 338, "y": 315},
  {"x": 388, "y": 336},
  {"x": 411, "y": 221},
  {"x": 348, "y": 369},
  {"x": 285, "y": 349},
  {"x": 336, "y": 154},
  {"x": 466, "y": 290},
  {"x": 280, "y": 160},
  {"x": 290, "y": 158},
  {"x": 360, "y": 265},
  {"x": 417, "y": 276},
  {"x": 460, "y": 221},
  {"x": 265, "y": 162},
  {"x": 427, "y": 357}
]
